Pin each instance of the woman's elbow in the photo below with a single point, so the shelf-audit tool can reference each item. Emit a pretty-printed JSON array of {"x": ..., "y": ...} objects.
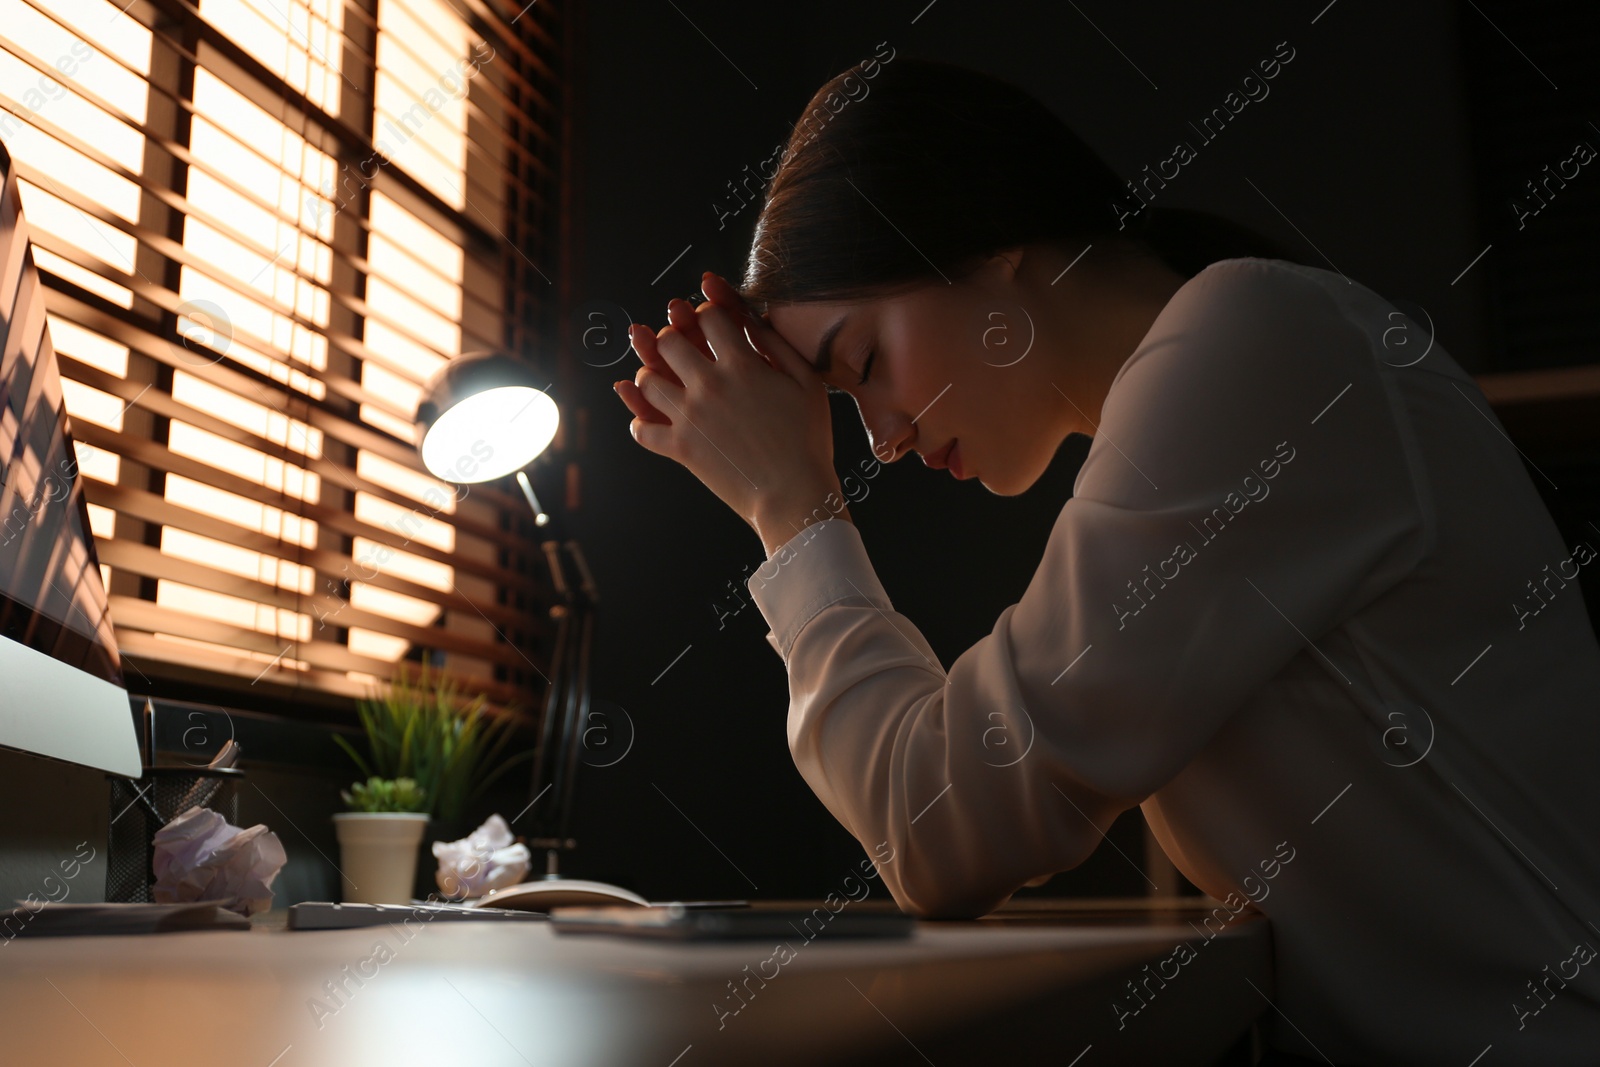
[{"x": 928, "y": 898}]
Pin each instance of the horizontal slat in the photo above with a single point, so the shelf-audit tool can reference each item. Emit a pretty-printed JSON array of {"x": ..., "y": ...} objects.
[
  {"x": 356, "y": 46},
  {"x": 247, "y": 382},
  {"x": 342, "y": 130},
  {"x": 363, "y": 71},
  {"x": 62, "y": 299},
  {"x": 169, "y": 299},
  {"x": 146, "y": 657},
  {"x": 161, "y": 458},
  {"x": 153, "y": 563},
  {"x": 132, "y": 614},
  {"x": 159, "y": 402},
  {"x": 504, "y": 28},
  {"x": 181, "y": 153},
  {"x": 66, "y": 300},
  {"x": 136, "y": 615},
  {"x": 179, "y": 253},
  {"x": 126, "y": 328},
  {"x": 370, "y": 23},
  {"x": 268, "y": 91},
  {"x": 146, "y": 506}
]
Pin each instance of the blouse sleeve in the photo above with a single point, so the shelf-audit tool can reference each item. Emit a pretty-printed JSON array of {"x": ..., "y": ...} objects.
[{"x": 1250, "y": 486}]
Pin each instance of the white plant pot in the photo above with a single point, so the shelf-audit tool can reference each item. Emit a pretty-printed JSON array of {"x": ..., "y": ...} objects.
[{"x": 378, "y": 854}]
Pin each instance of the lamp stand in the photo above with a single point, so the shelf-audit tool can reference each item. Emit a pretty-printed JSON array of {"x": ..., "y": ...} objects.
[{"x": 561, "y": 732}]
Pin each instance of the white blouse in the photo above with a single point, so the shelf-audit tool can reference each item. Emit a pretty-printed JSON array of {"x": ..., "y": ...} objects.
[{"x": 1307, "y": 610}]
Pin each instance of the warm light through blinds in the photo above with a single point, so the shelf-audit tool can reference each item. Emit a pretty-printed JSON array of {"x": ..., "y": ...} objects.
[{"x": 262, "y": 224}]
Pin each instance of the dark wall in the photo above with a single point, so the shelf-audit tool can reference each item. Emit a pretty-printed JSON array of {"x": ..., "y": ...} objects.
[{"x": 1357, "y": 159}]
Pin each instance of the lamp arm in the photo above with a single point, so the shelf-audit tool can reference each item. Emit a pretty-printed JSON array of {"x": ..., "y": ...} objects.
[
  {"x": 554, "y": 708},
  {"x": 551, "y": 746},
  {"x": 569, "y": 695},
  {"x": 566, "y": 742},
  {"x": 587, "y": 578},
  {"x": 558, "y": 571},
  {"x": 580, "y": 688}
]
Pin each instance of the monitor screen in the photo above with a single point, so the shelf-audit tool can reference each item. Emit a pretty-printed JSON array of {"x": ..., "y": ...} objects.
[
  {"x": 51, "y": 595},
  {"x": 61, "y": 689}
]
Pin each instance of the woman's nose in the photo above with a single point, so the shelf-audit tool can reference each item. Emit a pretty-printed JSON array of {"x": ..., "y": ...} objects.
[{"x": 889, "y": 438}]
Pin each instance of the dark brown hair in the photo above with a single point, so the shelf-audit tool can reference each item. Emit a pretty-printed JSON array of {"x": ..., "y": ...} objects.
[{"x": 916, "y": 173}]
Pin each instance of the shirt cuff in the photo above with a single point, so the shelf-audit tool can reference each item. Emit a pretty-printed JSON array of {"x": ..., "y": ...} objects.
[{"x": 821, "y": 565}]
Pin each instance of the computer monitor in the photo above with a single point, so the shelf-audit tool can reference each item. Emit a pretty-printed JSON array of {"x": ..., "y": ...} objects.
[{"x": 61, "y": 689}]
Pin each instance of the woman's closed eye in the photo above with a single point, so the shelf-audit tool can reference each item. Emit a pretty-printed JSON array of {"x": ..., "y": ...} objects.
[
  {"x": 866, "y": 368},
  {"x": 866, "y": 371}
]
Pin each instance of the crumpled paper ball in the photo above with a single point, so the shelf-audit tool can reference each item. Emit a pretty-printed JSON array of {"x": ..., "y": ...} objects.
[
  {"x": 481, "y": 862},
  {"x": 201, "y": 856}
]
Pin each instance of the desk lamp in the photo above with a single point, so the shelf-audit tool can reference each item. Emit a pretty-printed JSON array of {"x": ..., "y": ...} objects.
[{"x": 481, "y": 417}]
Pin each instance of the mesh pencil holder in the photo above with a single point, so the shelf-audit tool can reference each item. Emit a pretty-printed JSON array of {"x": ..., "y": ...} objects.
[{"x": 140, "y": 807}]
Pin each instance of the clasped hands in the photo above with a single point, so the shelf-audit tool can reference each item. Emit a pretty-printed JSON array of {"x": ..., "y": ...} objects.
[{"x": 721, "y": 392}]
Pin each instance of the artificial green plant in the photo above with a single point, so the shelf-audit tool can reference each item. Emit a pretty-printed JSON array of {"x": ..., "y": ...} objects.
[
  {"x": 384, "y": 794},
  {"x": 422, "y": 726}
]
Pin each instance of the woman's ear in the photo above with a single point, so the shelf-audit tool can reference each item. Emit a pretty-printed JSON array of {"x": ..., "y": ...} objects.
[{"x": 1001, "y": 268}]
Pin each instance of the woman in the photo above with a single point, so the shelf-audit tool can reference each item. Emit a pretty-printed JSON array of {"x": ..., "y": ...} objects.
[{"x": 1273, "y": 614}]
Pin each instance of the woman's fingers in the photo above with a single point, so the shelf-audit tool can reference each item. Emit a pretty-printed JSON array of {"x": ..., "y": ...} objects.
[
  {"x": 644, "y": 341},
  {"x": 663, "y": 396},
  {"x": 681, "y": 314},
  {"x": 739, "y": 316},
  {"x": 723, "y": 404},
  {"x": 763, "y": 338},
  {"x": 672, "y": 356},
  {"x": 634, "y": 399},
  {"x": 722, "y": 295},
  {"x": 718, "y": 291},
  {"x": 687, "y": 359},
  {"x": 725, "y": 330}
]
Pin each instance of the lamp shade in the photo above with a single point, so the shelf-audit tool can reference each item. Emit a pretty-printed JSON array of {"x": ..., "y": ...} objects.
[{"x": 482, "y": 417}]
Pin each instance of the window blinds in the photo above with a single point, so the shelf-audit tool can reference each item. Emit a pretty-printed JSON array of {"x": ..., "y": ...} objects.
[{"x": 261, "y": 224}]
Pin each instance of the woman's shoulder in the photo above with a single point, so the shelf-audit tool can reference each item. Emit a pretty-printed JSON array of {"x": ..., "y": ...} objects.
[
  {"x": 1326, "y": 306},
  {"x": 1288, "y": 285},
  {"x": 1234, "y": 309},
  {"x": 1247, "y": 354},
  {"x": 1231, "y": 285},
  {"x": 1254, "y": 273}
]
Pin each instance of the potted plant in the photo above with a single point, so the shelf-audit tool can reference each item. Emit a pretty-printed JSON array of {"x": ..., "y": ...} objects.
[
  {"x": 422, "y": 726},
  {"x": 378, "y": 839}
]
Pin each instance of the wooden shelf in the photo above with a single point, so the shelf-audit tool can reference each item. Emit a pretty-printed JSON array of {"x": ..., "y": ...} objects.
[{"x": 1552, "y": 409}]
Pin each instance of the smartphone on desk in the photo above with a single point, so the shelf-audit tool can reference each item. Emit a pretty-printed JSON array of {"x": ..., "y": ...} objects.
[{"x": 675, "y": 922}]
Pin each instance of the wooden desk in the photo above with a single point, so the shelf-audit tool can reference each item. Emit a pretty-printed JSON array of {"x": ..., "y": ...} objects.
[{"x": 1029, "y": 984}]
